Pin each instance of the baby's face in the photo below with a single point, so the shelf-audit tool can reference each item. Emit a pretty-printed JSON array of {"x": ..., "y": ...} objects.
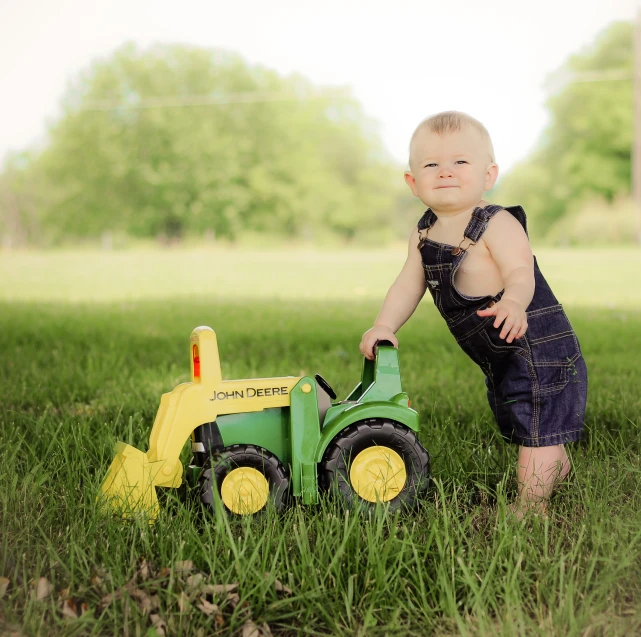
[{"x": 450, "y": 172}]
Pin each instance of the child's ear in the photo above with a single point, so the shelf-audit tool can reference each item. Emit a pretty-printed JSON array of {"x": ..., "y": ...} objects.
[
  {"x": 491, "y": 176},
  {"x": 411, "y": 182}
]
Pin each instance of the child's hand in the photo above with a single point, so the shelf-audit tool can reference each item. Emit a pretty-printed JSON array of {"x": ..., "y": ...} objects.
[
  {"x": 512, "y": 313},
  {"x": 373, "y": 336}
]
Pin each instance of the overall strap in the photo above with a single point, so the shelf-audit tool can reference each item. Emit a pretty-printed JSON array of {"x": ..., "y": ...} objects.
[
  {"x": 479, "y": 220},
  {"x": 427, "y": 220},
  {"x": 476, "y": 226}
]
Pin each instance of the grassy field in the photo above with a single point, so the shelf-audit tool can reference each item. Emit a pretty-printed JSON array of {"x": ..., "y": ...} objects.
[{"x": 89, "y": 342}]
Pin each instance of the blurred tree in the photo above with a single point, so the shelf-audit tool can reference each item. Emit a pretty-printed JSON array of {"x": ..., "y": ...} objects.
[
  {"x": 20, "y": 185},
  {"x": 177, "y": 140},
  {"x": 585, "y": 152}
]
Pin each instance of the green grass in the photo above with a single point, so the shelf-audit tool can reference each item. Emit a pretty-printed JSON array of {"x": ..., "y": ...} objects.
[{"x": 77, "y": 377}]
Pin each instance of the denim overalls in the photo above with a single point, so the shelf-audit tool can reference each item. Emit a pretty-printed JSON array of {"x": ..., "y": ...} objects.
[{"x": 537, "y": 384}]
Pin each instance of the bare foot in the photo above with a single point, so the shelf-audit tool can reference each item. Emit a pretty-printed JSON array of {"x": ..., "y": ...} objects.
[
  {"x": 540, "y": 471},
  {"x": 518, "y": 510}
]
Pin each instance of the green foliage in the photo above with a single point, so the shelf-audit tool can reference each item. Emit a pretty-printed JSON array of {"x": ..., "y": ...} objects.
[
  {"x": 585, "y": 152},
  {"x": 20, "y": 199},
  {"x": 597, "y": 222},
  {"x": 141, "y": 149}
]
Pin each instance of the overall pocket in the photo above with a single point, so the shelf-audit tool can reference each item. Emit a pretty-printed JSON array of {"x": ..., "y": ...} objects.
[
  {"x": 474, "y": 354},
  {"x": 553, "y": 346},
  {"x": 451, "y": 316},
  {"x": 497, "y": 345},
  {"x": 437, "y": 278}
]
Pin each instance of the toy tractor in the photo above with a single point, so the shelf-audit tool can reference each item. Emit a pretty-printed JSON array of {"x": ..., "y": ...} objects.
[{"x": 264, "y": 440}]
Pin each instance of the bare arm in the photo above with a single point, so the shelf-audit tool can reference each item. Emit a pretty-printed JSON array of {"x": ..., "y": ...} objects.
[
  {"x": 509, "y": 246},
  {"x": 400, "y": 302},
  {"x": 407, "y": 290}
]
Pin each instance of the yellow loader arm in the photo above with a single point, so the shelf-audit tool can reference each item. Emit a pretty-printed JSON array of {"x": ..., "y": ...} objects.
[{"x": 129, "y": 486}]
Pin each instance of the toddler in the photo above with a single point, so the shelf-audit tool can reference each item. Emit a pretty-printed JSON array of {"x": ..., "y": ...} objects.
[{"x": 476, "y": 261}]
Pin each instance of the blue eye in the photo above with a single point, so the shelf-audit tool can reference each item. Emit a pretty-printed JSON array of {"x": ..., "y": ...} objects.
[
  {"x": 430, "y": 165},
  {"x": 461, "y": 161}
]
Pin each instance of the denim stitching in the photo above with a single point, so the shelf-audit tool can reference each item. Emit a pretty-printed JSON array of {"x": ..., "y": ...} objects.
[
  {"x": 551, "y": 337},
  {"x": 536, "y": 392},
  {"x": 545, "y": 310},
  {"x": 571, "y": 431},
  {"x": 453, "y": 297},
  {"x": 526, "y": 353},
  {"x": 474, "y": 351},
  {"x": 437, "y": 243},
  {"x": 556, "y": 363},
  {"x": 476, "y": 328},
  {"x": 559, "y": 436},
  {"x": 441, "y": 267},
  {"x": 459, "y": 317},
  {"x": 553, "y": 388},
  {"x": 498, "y": 348},
  {"x": 557, "y": 388}
]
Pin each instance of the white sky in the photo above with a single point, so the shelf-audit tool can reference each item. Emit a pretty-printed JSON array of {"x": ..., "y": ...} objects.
[{"x": 403, "y": 59}]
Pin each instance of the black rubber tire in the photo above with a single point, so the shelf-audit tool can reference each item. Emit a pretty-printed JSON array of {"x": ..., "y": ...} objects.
[
  {"x": 219, "y": 465},
  {"x": 336, "y": 463}
]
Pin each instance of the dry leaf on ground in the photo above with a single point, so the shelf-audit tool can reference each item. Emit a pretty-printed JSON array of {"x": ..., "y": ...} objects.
[
  {"x": 233, "y": 599},
  {"x": 74, "y": 607},
  {"x": 184, "y": 566},
  {"x": 4, "y": 584},
  {"x": 98, "y": 576},
  {"x": 282, "y": 588},
  {"x": 183, "y": 602},
  {"x": 250, "y": 629},
  {"x": 11, "y": 630},
  {"x": 143, "y": 601},
  {"x": 279, "y": 586},
  {"x": 43, "y": 589},
  {"x": 158, "y": 624},
  {"x": 207, "y": 607},
  {"x": 194, "y": 581},
  {"x": 217, "y": 589},
  {"x": 107, "y": 599},
  {"x": 144, "y": 570},
  {"x": 219, "y": 620}
]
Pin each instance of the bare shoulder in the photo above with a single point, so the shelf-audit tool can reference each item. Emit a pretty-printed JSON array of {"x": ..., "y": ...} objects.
[
  {"x": 504, "y": 226},
  {"x": 506, "y": 240}
]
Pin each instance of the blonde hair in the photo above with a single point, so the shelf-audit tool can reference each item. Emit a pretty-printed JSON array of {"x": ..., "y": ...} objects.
[{"x": 451, "y": 121}]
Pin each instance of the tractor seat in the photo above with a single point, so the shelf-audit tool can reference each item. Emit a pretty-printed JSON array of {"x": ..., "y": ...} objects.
[{"x": 325, "y": 395}]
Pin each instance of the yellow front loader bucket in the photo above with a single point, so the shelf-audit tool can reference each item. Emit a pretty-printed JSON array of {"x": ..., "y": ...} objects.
[{"x": 130, "y": 485}]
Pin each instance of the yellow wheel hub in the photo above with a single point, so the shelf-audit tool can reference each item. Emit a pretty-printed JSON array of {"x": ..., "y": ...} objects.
[
  {"x": 378, "y": 474},
  {"x": 244, "y": 490}
]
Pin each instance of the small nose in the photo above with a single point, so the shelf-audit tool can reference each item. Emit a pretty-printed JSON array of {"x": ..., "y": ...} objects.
[{"x": 445, "y": 171}]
